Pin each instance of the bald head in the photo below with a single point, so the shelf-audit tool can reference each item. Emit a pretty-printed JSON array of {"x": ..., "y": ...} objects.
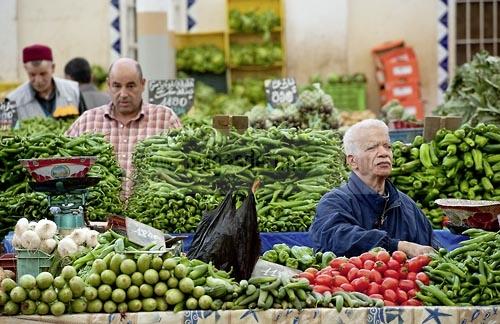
[
  {"x": 126, "y": 85},
  {"x": 126, "y": 63}
]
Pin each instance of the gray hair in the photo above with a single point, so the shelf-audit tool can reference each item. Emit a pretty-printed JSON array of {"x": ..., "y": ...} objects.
[{"x": 351, "y": 142}]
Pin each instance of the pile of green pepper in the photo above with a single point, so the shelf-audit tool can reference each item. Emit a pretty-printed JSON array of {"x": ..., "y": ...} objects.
[
  {"x": 466, "y": 276},
  {"x": 188, "y": 171},
  {"x": 298, "y": 257},
  {"x": 18, "y": 200},
  {"x": 462, "y": 164}
]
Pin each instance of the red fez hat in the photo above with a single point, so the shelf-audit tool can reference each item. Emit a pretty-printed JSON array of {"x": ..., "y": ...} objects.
[{"x": 37, "y": 52}]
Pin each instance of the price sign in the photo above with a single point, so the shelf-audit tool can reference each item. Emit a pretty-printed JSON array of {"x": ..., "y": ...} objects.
[
  {"x": 8, "y": 115},
  {"x": 281, "y": 91},
  {"x": 177, "y": 94},
  {"x": 143, "y": 234}
]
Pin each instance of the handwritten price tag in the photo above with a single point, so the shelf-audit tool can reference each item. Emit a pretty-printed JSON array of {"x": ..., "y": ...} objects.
[
  {"x": 143, "y": 234},
  {"x": 8, "y": 115},
  {"x": 177, "y": 94},
  {"x": 281, "y": 91}
]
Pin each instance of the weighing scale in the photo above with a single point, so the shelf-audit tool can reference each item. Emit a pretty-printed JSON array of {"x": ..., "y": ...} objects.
[{"x": 65, "y": 182}]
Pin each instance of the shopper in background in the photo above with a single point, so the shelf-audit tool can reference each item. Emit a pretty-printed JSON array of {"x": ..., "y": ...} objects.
[
  {"x": 78, "y": 69},
  {"x": 369, "y": 211},
  {"x": 44, "y": 95},
  {"x": 126, "y": 119}
]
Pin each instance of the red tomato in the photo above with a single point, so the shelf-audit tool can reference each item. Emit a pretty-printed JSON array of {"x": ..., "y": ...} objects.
[
  {"x": 344, "y": 268},
  {"x": 390, "y": 295},
  {"x": 393, "y": 265},
  {"x": 324, "y": 280},
  {"x": 335, "y": 289},
  {"x": 369, "y": 264},
  {"x": 334, "y": 273},
  {"x": 423, "y": 260},
  {"x": 353, "y": 274},
  {"x": 389, "y": 303},
  {"x": 373, "y": 288},
  {"x": 423, "y": 277},
  {"x": 314, "y": 271},
  {"x": 335, "y": 263},
  {"x": 411, "y": 293},
  {"x": 399, "y": 256},
  {"x": 380, "y": 266},
  {"x": 414, "y": 265},
  {"x": 377, "y": 296},
  {"x": 321, "y": 289},
  {"x": 367, "y": 256},
  {"x": 339, "y": 280},
  {"x": 412, "y": 302},
  {"x": 390, "y": 283},
  {"x": 375, "y": 276},
  {"x": 406, "y": 285},
  {"x": 389, "y": 273},
  {"x": 325, "y": 270},
  {"x": 360, "y": 284},
  {"x": 383, "y": 256},
  {"x": 411, "y": 276},
  {"x": 401, "y": 296},
  {"x": 307, "y": 275},
  {"x": 403, "y": 272},
  {"x": 347, "y": 287},
  {"x": 364, "y": 273},
  {"x": 356, "y": 261}
]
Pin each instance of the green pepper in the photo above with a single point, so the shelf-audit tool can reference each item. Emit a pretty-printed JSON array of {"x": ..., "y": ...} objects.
[
  {"x": 433, "y": 152},
  {"x": 480, "y": 140},
  {"x": 449, "y": 139},
  {"x": 271, "y": 256},
  {"x": 492, "y": 136},
  {"x": 468, "y": 160},
  {"x": 487, "y": 186},
  {"x": 488, "y": 171},
  {"x": 451, "y": 149},
  {"x": 411, "y": 166},
  {"x": 417, "y": 141},
  {"x": 477, "y": 156},
  {"x": 283, "y": 256},
  {"x": 414, "y": 153},
  {"x": 292, "y": 263},
  {"x": 463, "y": 147},
  {"x": 449, "y": 161},
  {"x": 326, "y": 258},
  {"x": 425, "y": 155},
  {"x": 464, "y": 186},
  {"x": 492, "y": 148}
]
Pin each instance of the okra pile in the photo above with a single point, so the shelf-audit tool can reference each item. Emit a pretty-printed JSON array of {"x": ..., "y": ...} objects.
[
  {"x": 18, "y": 200},
  {"x": 187, "y": 171},
  {"x": 466, "y": 276},
  {"x": 462, "y": 164}
]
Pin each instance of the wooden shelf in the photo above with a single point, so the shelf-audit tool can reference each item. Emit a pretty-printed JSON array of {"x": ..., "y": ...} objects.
[
  {"x": 276, "y": 65},
  {"x": 238, "y": 33}
]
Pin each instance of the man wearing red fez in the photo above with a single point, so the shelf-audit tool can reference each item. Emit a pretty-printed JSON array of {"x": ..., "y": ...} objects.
[{"x": 44, "y": 95}]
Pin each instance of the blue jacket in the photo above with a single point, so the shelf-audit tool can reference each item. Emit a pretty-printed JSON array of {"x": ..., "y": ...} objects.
[{"x": 346, "y": 219}]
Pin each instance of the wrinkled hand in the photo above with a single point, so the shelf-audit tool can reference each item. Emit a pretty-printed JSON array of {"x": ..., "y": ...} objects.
[{"x": 414, "y": 249}]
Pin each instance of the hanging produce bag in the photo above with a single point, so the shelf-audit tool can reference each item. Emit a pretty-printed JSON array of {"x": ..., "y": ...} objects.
[{"x": 229, "y": 238}]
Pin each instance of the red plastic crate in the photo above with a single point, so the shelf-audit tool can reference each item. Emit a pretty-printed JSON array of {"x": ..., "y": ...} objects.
[{"x": 8, "y": 261}]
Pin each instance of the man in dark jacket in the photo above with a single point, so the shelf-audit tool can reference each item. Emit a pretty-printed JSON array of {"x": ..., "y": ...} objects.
[
  {"x": 79, "y": 70},
  {"x": 369, "y": 211}
]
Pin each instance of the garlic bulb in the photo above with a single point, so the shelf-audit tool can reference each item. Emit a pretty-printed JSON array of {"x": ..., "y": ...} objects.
[
  {"x": 48, "y": 245},
  {"x": 46, "y": 229},
  {"x": 16, "y": 241},
  {"x": 32, "y": 225},
  {"x": 91, "y": 240},
  {"x": 67, "y": 247},
  {"x": 79, "y": 235},
  {"x": 22, "y": 226},
  {"x": 30, "y": 240}
]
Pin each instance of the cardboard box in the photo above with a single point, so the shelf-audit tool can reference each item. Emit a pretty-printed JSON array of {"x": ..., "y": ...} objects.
[
  {"x": 379, "y": 50},
  {"x": 415, "y": 106},
  {"x": 400, "y": 90},
  {"x": 433, "y": 123},
  {"x": 224, "y": 123}
]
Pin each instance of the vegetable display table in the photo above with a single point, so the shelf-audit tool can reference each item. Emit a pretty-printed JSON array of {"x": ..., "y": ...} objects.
[{"x": 422, "y": 314}]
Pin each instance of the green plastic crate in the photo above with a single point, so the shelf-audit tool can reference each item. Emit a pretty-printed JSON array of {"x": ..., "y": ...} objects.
[
  {"x": 31, "y": 262},
  {"x": 348, "y": 96}
]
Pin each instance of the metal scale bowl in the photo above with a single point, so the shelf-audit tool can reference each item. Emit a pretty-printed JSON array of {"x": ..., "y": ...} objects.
[{"x": 66, "y": 184}]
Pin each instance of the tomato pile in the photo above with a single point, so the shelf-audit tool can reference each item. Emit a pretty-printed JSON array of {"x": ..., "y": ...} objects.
[{"x": 391, "y": 278}]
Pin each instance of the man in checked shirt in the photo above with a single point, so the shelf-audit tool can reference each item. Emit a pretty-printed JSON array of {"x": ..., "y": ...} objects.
[{"x": 127, "y": 119}]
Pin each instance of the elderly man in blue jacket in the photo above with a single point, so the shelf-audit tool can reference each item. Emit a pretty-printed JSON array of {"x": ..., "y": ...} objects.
[{"x": 369, "y": 211}]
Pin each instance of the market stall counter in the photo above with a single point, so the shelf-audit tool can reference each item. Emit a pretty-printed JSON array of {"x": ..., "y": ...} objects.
[
  {"x": 400, "y": 315},
  {"x": 445, "y": 238}
]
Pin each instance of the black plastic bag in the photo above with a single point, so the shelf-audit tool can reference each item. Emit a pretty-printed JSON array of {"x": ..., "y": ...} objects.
[{"x": 229, "y": 238}]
